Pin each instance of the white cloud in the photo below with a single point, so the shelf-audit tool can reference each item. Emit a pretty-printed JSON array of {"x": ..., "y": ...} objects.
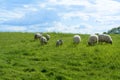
[
  {"x": 70, "y": 15},
  {"x": 60, "y": 27},
  {"x": 13, "y": 28},
  {"x": 107, "y": 6},
  {"x": 43, "y": 5},
  {"x": 19, "y": 12},
  {"x": 8, "y": 15},
  {"x": 77, "y": 14},
  {"x": 70, "y": 2},
  {"x": 16, "y": 28},
  {"x": 106, "y": 20},
  {"x": 29, "y": 8},
  {"x": 101, "y": 9},
  {"x": 103, "y": 13},
  {"x": 104, "y": 10},
  {"x": 78, "y": 28}
]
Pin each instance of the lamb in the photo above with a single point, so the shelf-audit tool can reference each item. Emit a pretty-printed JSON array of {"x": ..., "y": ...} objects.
[
  {"x": 43, "y": 40},
  {"x": 93, "y": 39},
  {"x": 37, "y": 36},
  {"x": 76, "y": 39},
  {"x": 105, "y": 38},
  {"x": 59, "y": 42}
]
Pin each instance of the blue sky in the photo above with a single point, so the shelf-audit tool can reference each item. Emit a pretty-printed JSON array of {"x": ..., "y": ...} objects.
[{"x": 68, "y": 16}]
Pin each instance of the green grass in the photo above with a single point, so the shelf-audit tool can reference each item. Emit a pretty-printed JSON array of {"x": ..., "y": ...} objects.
[{"x": 22, "y": 58}]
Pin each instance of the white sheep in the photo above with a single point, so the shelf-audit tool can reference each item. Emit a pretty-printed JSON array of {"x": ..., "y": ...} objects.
[
  {"x": 108, "y": 39},
  {"x": 43, "y": 40},
  {"x": 76, "y": 39},
  {"x": 101, "y": 38},
  {"x": 93, "y": 39},
  {"x": 47, "y": 36},
  {"x": 105, "y": 38},
  {"x": 37, "y": 36},
  {"x": 59, "y": 42}
]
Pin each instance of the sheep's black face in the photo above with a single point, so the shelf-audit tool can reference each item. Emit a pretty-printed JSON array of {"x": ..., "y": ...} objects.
[
  {"x": 110, "y": 42},
  {"x": 89, "y": 43}
]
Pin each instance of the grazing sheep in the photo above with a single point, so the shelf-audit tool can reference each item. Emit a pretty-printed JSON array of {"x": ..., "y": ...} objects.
[
  {"x": 43, "y": 40},
  {"x": 104, "y": 38},
  {"x": 93, "y": 39},
  {"x": 108, "y": 39},
  {"x": 76, "y": 39},
  {"x": 101, "y": 38},
  {"x": 37, "y": 36},
  {"x": 59, "y": 42},
  {"x": 47, "y": 36}
]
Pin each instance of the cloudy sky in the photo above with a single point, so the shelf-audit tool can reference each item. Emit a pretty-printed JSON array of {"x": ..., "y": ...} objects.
[{"x": 69, "y": 16}]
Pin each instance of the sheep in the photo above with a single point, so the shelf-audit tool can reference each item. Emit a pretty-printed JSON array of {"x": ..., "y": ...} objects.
[
  {"x": 93, "y": 39},
  {"x": 101, "y": 38},
  {"x": 76, "y": 39},
  {"x": 59, "y": 42},
  {"x": 37, "y": 36},
  {"x": 47, "y": 36},
  {"x": 104, "y": 38},
  {"x": 108, "y": 39},
  {"x": 43, "y": 40}
]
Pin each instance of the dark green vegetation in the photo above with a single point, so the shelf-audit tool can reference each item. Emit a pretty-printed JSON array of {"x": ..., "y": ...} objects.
[
  {"x": 21, "y": 58},
  {"x": 114, "y": 30}
]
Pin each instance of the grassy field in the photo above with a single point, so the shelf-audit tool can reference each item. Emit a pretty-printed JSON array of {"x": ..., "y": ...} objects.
[{"x": 21, "y": 58}]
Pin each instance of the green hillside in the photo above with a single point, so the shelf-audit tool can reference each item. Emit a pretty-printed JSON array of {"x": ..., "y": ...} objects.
[{"x": 22, "y": 58}]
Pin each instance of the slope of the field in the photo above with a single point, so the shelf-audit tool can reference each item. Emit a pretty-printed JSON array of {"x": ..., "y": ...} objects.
[{"x": 22, "y": 58}]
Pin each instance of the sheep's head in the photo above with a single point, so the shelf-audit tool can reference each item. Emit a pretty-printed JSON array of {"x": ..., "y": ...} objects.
[
  {"x": 89, "y": 43},
  {"x": 110, "y": 42}
]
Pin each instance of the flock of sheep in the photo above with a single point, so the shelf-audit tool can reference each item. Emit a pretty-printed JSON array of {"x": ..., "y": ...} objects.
[{"x": 92, "y": 40}]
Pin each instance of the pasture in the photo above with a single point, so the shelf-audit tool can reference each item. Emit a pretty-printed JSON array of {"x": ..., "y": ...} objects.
[{"x": 22, "y": 58}]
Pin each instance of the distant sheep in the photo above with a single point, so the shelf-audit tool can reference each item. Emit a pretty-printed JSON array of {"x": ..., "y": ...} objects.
[
  {"x": 93, "y": 39},
  {"x": 37, "y": 36},
  {"x": 76, "y": 39},
  {"x": 47, "y": 36},
  {"x": 59, "y": 42},
  {"x": 43, "y": 40},
  {"x": 105, "y": 38}
]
